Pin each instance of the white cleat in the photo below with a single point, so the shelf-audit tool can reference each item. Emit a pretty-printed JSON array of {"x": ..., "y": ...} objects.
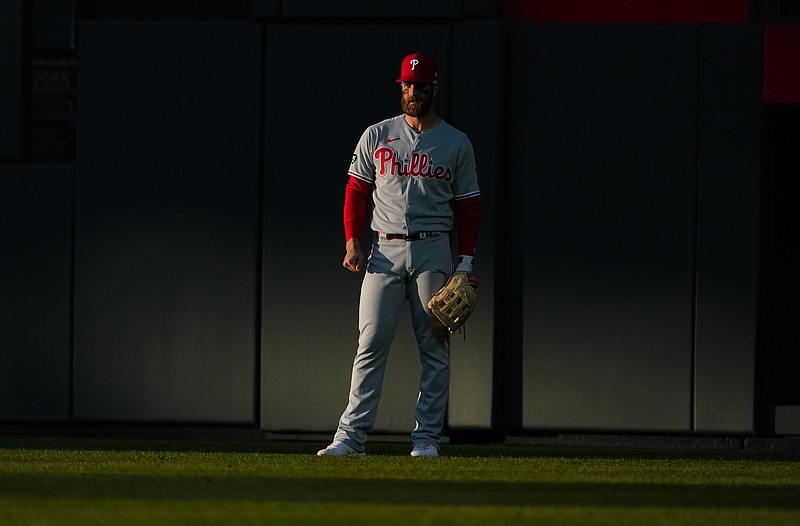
[
  {"x": 339, "y": 449},
  {"x": 423, "y": 449}
]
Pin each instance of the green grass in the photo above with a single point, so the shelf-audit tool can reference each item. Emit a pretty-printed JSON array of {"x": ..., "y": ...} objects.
[{"x": 69, "y": 481}]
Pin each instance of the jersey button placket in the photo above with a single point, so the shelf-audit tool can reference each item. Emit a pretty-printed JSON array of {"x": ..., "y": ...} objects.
[{"x": 407, "y": 202}]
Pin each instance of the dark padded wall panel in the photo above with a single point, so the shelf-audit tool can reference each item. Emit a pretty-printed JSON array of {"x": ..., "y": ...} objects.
[
  {"x": 418, "y": 9},
  {"x": 781, "y": 56},
  {"x": 602, "y": 149},
  {"x": 310, "y": 302},
  {"x": 267, "y": 9},
  {"x": 177, "y": 9},
  {"x": 481, "y": 8},
  {"x": 11, "y": 79},
  {"x": 35, "y": 291},
  {"x": 52, "y": 24},
  {"x": 629, "y": 11},
  {"x": 727, "y": 246},
  {"x": 167, "y": 227},
  {"x": 476, "y": 51}
]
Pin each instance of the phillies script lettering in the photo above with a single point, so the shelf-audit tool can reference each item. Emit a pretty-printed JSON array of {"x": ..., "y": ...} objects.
[{"x": 419, "y": 165}]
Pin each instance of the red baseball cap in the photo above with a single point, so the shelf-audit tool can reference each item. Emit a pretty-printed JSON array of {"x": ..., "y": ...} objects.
[{"x": 419, "y": 67}]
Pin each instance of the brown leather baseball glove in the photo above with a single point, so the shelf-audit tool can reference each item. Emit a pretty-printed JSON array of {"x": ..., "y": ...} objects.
[{"x": 456, "y": 301}]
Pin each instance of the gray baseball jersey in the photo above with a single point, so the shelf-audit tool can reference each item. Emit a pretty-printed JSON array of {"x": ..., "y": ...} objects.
[{"x": 416, "y": 175}]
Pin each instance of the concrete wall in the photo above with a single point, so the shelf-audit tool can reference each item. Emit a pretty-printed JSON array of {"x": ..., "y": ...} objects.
[
  {"x": 638, "y": 189},
  {"x": 194, "y": 247},
  {"x": 604, "y": 155},
  {"x": 728, "y": 231},
  {"x": 167, "y": 222},
  {"x": 36, "y": 211},
  {"x": 11, "y": 83}
]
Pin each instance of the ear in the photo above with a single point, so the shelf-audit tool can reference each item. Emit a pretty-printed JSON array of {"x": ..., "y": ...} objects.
[{"x": 435, "y": 87}]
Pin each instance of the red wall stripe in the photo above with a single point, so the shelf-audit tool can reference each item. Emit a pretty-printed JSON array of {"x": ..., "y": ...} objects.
[
  {"x": 782, "y": 64},
  {"x": 628, "y": 11}
]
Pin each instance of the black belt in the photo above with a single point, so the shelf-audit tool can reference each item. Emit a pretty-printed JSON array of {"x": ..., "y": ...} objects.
[{"x": 411, "y": 237}]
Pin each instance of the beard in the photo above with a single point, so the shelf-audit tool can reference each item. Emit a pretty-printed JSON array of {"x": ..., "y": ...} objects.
[{"x": 417, "y": 110}]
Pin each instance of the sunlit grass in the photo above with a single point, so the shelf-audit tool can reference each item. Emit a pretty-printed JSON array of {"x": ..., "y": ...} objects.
[{"x": 136, "y": 482}]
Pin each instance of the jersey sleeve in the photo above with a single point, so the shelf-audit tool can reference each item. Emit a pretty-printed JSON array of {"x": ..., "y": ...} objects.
[
  {"x": 356, "y": 201},
  {"x": 465, "y": 184},
  {"x": 467, "y": 200},
  {"x": 361, "y": 165},
  {"x": 468, "y": 219},
  {"x": 361, "y": 177}
]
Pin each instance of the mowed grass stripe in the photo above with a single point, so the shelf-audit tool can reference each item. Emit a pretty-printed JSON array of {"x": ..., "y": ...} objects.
[
  {"x": 169, "y": 482},
  {"x": 393, "y": 491},
  {"x": 125, "y": 512}
]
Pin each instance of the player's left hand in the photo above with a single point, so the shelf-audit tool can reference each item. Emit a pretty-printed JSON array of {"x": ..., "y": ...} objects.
[{"x": 465, "y": 263}]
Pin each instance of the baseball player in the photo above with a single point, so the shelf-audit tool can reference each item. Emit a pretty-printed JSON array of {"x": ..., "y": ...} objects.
[{"x": 418, "y": 174}]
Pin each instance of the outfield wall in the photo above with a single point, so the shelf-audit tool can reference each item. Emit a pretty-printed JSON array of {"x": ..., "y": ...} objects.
[
  {"x": 186, "y": 267},
  {"x": 11, "y": 87}
]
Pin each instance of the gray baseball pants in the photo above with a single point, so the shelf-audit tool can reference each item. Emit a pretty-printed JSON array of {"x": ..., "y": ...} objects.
[{"x": 400, "y": 271}]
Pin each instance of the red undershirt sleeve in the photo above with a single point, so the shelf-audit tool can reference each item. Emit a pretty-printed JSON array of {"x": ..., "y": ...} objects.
[
  {"x": 468, "y": 218},
  {"x": 356, "y": 202}
]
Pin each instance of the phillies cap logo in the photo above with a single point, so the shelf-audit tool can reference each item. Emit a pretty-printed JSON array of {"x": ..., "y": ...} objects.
[{"x": 419, "y": 67}]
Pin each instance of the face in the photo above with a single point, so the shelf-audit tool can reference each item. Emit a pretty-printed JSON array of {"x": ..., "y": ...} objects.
[{"x": 416, "y": 98}]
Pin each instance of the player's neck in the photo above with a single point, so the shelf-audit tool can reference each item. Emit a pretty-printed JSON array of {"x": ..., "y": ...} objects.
[{"x": 423, "y": 123}]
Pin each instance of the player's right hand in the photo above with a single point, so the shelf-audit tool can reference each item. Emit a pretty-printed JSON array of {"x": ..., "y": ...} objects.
[{"x": 353, "y": 258}]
